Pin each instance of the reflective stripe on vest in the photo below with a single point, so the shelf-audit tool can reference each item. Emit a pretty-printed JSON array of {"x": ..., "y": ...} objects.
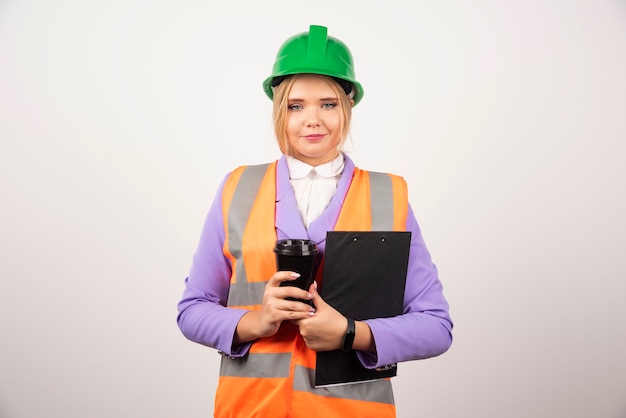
[
  {"x": 239, "y": 211},
  {"x": 281, "y": 368},
  {"x": 375, "y": 391},
  {"x": 241, "y": 199},
  {"x": 264, "y": 364},
  {"x": 382, "y": 206}
]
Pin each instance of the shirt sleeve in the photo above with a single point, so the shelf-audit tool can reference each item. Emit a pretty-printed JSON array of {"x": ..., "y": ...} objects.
[
  {"x": 425, "y": 328},
  {"x": 202, "y": 313}
]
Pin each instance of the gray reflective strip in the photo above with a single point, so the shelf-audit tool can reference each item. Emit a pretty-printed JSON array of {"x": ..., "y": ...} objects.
[
  {"x": 246, "y": 294},
  {"x": 374, "y": 391},
  {"x": 381, "y": 192},
  {"x": 239, "y": 211},
  {"x": 257, "y": 365}
]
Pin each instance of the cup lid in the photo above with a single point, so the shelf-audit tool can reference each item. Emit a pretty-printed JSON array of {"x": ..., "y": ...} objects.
[{"x": 295, "y": 247}]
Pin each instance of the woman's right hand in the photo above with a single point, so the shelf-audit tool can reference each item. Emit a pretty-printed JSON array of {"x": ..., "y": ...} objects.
[{"x": 275, "y": 309}]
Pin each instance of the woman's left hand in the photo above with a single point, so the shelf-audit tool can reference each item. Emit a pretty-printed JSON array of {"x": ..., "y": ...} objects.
[{"x": 326, "y": 329}]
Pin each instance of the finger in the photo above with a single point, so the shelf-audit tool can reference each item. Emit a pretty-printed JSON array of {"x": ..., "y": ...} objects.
[
  {"x": 293, "y": 292},
  {"x": 295, "y": 311},
  {"x": 282, "y": 276},
  {"x": 296, "y": 317},
  {"x": 286, "y": 289},
  {"x": 290, "y": 305}
]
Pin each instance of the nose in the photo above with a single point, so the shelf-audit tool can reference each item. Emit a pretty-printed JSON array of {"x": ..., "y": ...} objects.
[{"x": 312, "y": 116}]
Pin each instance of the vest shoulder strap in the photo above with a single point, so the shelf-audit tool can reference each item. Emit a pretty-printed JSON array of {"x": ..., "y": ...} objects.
[
  {"x": 375, "y": 201},
  {"x": 239, "y": 196}
]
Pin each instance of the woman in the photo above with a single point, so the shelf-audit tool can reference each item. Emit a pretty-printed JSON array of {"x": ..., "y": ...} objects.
[{"x": 233, "y": 300}]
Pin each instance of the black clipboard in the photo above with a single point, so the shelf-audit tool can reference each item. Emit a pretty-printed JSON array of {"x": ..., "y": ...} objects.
[{"x": 364, "y": 277}]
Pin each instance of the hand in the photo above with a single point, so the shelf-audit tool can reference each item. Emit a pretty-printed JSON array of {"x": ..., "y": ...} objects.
[
  {"x": 275, "y": 309},
  {"x": 325, "y": 330}
]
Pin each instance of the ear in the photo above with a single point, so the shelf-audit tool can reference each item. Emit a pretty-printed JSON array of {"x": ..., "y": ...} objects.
[{"x": 352, "y": 102}]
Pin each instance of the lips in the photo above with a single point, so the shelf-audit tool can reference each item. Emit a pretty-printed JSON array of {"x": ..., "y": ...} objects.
[{"x": 314, "y": 137}]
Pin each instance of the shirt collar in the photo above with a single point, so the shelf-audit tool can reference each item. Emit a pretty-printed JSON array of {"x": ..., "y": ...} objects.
[{"x": 299, "y": 169}]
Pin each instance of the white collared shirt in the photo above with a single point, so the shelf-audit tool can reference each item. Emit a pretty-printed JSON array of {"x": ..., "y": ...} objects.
[{"x": 314, "y": 186}]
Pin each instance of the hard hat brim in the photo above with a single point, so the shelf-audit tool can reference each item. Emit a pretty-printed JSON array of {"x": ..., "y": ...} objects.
[{"x": 268, "y": 88}]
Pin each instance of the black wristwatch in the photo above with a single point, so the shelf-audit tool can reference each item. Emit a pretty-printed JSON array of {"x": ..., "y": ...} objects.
[{"x": 348, "y": 340}]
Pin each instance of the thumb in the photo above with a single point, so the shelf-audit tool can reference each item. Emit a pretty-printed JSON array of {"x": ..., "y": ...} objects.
[
  {"x": 313, "y": 289},
  {"x": 317, "y": 299}
]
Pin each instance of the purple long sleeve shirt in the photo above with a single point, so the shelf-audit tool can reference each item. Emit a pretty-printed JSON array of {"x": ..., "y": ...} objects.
[{"x": 423, "y": 330}]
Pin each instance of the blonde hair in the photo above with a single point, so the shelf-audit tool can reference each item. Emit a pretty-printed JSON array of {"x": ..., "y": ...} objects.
[{"x": 281, "y": 106}]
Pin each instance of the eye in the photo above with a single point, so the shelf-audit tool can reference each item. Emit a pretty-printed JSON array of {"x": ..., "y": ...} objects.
[
  {"x": 294, "y": 107},
  {"x": 329, "y": 105}
]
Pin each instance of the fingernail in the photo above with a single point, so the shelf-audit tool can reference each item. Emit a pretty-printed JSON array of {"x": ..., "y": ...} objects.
[
  {"x": 311, "y": 313},
  {"x": 315, "y": 285},
  {"x": 295, "y": 275},
  {"x": 309, "y": 296}
]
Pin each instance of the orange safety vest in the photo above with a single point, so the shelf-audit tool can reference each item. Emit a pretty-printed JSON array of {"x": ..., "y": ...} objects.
[{"x": 275, "y": 379}]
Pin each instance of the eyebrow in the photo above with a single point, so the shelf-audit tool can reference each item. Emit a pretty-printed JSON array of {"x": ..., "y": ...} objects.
[{"x": 323, "y": 99}]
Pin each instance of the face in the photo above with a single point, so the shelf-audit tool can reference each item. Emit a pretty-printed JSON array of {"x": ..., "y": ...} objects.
[{"x": 314, "y": 120}]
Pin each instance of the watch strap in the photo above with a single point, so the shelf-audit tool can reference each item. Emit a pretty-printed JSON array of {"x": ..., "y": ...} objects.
[{"x": 348, "y": 339}]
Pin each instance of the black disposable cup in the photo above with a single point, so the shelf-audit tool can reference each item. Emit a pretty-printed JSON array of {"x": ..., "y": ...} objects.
[{"x": 297, "y": 255}]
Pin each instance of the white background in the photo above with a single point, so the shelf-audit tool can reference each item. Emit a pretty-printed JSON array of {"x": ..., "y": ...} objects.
[{"x": 119, "y": 118}]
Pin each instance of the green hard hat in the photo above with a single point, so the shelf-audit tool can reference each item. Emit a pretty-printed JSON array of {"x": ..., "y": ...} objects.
[{"x": 314, "y": 53}]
